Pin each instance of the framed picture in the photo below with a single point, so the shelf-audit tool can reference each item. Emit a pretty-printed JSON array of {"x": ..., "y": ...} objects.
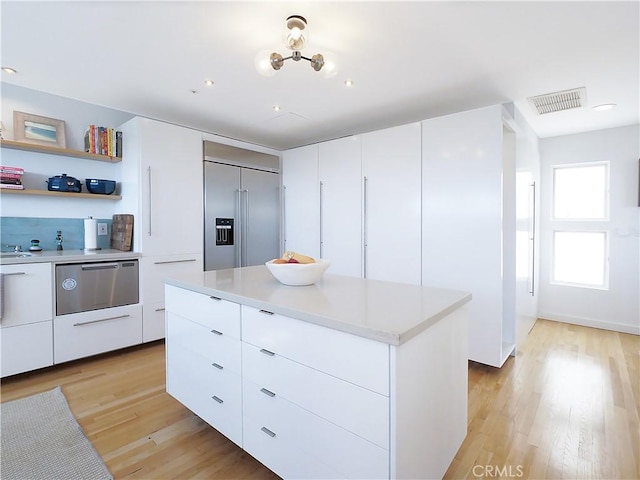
[{"x": 46, "y": 131}]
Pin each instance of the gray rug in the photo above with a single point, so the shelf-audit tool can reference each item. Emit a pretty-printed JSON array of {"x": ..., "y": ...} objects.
[{"x": 41, "y": 439}]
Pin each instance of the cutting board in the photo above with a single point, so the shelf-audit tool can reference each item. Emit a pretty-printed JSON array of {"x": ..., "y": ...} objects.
[{"x": 122, "y": 232}]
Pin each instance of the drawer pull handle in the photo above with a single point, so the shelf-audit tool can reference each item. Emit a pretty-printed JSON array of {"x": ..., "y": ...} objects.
[
  {"x": 216, "y": 332},
  {"x": 266, "y": 312},
  {"x": 79, "y": 324},
  {"x": 175, "y": 261},
  {"x": 267, "y": 392},
  {"x": 218, "y": 399},
  {"x": 217, "y": 299},
  {"x": 267, "y": 352},
  {"x": 160, "y": 309},
  {"x": 218, "y": 366},
  {"x": 268, "y": 432}
]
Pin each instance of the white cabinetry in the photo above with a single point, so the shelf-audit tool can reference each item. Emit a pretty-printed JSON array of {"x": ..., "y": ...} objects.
[
  {"x": 391, "y": 169},
  {"x": 469, "y": 222},
  {"x": 300, "y": 378},
  {"x": 162, "y": 187},
  {"x": 340, "y": 175},
  {"x": 204, "y": 358},
  {"x": 79, "y": 335},
  {"x": 26, "y": 313},
  {"x": 301, "y": 200}
]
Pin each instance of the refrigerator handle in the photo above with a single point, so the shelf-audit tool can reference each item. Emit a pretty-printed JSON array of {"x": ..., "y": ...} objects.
[
  {"x": 364, "y": 227},
  {"x": 238, "y": 247},
  {"x": 321, "y": 220}
]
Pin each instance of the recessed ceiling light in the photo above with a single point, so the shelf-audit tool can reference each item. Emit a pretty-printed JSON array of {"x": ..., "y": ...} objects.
[
  {"x": 9, "y": 70},
  {"x": 208, "y": 83},
  {"x": 348, "y": 83},
  {"x": 276, "y": 108},
  {"x": 604, "y": 106}
]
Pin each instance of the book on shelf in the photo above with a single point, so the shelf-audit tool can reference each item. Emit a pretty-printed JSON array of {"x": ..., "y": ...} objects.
[
  {"x": 103, "y": 141},
  {"x": 4, "y": 175},
  {"x": 11, "y": 186},
  {"x": 11, "y": 181},
  {"x": 11, "y": 170}
]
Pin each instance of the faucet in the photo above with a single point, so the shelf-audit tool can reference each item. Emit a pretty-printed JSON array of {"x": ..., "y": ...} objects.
[{"x": 16, "y": 248}]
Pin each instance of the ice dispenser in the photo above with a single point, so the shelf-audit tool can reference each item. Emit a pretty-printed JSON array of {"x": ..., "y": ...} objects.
[{"x": 224, "y": 231}]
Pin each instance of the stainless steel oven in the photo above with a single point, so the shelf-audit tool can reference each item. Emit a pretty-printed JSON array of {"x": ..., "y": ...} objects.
[{"x": 81, "y": 287}]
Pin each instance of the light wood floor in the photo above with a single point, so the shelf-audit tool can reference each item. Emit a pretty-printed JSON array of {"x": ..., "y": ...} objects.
[{"x": 566, "y": 407}]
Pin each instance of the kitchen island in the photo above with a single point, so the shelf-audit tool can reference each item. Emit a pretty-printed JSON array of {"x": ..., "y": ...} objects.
[{"x": 347, "y": 378}]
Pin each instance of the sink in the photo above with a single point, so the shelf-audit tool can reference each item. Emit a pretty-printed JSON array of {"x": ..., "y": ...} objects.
[{"x": 14, "y": 254}]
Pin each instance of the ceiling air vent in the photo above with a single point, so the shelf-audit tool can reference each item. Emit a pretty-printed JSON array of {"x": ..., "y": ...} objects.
[{"x": 558, "y": 101}]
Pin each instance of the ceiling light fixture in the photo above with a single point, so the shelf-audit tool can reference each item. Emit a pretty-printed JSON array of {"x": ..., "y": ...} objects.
[
  {"x": 9, "y": 70},
  {"x": 348, "y": 83},
  {"x": 295, "y": 39},
  {"x": 208, "y": 83}
]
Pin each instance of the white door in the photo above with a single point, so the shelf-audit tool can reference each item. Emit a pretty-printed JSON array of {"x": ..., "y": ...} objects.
[
  {"x": 301, "y": 200},
  {"x": 391, "y": 169},
  {"x": 171, "y": 189},
  {"x": 340, "y": 174}
]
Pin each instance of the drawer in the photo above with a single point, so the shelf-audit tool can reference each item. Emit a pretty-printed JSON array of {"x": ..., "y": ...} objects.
[
  {"x": 281, "y": 456},
  {"x": 349, "y": 455},
  {"x": 214, "y": 394},
  {"x": 355, "y": 359},
  {"x": 212, "y": 346},
  {"x": 206, "y": 310},
  {"x": 83, "y": 334},
  {"x": 354, "y": 408},
  {"x": 154, "y": 270},
  {"x": 26, "y": 347},
  {"x": 23, "y": 283}
]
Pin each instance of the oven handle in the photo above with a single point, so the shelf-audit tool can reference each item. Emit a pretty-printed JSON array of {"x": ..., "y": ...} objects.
[{"x": 100, "y": 266}]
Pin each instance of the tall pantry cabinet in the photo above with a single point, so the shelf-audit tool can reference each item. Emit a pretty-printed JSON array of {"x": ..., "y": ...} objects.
[
  {"x": 162, "y": 182},
  {"x": 339, "y": 172},
  {"x": 391, "y": 166},
  {"x": 301, "y": 200},
  {"x": 469, "y": 222}
]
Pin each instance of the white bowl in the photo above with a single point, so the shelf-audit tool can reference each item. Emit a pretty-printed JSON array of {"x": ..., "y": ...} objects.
[{"x": 298, "y": 273}]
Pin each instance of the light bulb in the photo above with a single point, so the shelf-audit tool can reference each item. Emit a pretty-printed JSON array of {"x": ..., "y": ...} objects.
[
  {"x": 330, "y": 68},
  {"x": 262, "y": 62}
]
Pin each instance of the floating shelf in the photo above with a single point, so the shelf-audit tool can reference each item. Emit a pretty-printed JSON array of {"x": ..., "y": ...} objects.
[
  {"x": 49, "y": 193},
  {"x": 65, "y": 152}
]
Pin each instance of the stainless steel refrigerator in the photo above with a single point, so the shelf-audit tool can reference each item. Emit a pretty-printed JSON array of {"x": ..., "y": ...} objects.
[{"x": 241, "y": 207}]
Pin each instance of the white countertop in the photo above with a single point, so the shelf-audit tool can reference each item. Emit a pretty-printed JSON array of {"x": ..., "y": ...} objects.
[
  {"x": 384, "y": 311},
  {"x": 70, "y": 256}
]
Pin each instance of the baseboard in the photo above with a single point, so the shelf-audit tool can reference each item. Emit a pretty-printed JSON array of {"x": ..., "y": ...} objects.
[{"x": 588, "y": 322}]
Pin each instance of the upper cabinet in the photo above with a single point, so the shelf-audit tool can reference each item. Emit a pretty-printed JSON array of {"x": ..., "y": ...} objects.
[
  {"x": 340, "y": 176},
  {"x": 162, "y": 172},
  {"x": 391, "y": 170}
]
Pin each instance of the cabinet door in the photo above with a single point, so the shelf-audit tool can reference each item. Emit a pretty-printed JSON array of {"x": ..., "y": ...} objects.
[
  {"x": 22, "y": 283},
  {"x": 26, "y": 347},
  {"x": 153, "y": 272},
  {"x": 171, "y": 163},
  {"x": 340, "y": 170},
  {"x": 391, "y": 168},
  {"x": 301, "y": 200}
]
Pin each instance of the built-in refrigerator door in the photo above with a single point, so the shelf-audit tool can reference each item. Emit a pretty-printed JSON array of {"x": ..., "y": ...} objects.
[
  {"x": 221, "y": 221},
  {"x": 261, "y": 212}
]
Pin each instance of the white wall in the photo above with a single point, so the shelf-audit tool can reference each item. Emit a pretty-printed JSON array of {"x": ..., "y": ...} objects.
[{"x": 617, "y": 308}]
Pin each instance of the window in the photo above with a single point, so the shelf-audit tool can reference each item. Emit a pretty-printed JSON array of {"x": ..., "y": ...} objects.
[{"x": 580, "y": 211}]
